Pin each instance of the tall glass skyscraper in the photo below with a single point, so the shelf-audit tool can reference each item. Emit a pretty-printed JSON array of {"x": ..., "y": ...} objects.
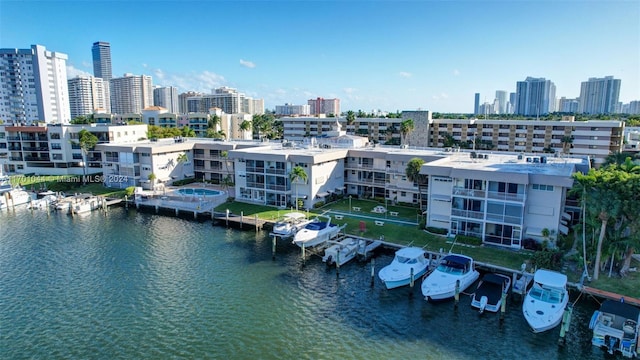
[{"x": 101, "y": 52}]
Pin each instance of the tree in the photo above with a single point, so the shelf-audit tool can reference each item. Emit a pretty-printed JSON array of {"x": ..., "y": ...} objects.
[
  {"x": 413, "y": 173},
  {"x": 567, "y": 142},
  {"x": 152, "y": 178},
  {"x": 245, "y": 126},
  {"x": 406, "y": 127},
  {"x": 182, "y": 159},
  {"x": 87, "y": 141},
  {"x": 188, "y": 132},
  {"x": 351, "y": 117},
  {"x": 296, "y": 175},
  {"x": 214, "y": 121}
]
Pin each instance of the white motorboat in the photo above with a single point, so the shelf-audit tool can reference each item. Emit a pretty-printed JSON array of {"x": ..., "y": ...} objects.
[
  {"x": 453, "y": 271},
  {"x": 290, "y": 224},
  {"x": 317, "y": 232},
  {"x": 488, "y": 295},
  {"x": 616, "y": 328},
  {"x": 43, "y": 202},
  {"x": 14, "y": 197},
  {"x": 544, "y": 304},
  {"x": 345, "y": 250},
  {"x": 86, "y": 205},
  {"x": 407, "y": 262}
]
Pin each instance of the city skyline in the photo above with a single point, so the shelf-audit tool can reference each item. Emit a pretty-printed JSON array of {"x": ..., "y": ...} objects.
[{"x": 370, "y": 55}]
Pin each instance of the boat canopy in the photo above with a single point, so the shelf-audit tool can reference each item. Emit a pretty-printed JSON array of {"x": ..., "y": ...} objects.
[
  {"x": 550, "y": 278},
  {"x": 456, "y": 260},
  {"x": 620, "y": 309},
  {"x": 493, "y": 278},
  {"x": 410, "y": 252}
]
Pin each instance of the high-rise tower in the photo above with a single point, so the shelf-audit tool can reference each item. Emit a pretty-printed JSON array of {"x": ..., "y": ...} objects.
[
  {"x": 535, "y": 96},
  {"x": 101, "y": 52},
  {"x": 599, "y": 95}
]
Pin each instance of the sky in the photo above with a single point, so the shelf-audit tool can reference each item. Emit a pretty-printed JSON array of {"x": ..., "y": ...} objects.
[{"x": 386, "y": 55}]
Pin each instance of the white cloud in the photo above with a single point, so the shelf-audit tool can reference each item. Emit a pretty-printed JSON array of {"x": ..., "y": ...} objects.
[
  {"x": 73, "y": 72},
  {"x": 456, "y": 72},
  {"x": 247, "y": 63},
  {"x": 441, "y": 96},
  {"x": 405, "y": 74},
  {"x": 281, "y": 91},
  {"x": 349, "y": 90},
  {"x": 144, "y": 65},
  {"x": 159, "y": 74},
  {"x": 87, "y": 64}
]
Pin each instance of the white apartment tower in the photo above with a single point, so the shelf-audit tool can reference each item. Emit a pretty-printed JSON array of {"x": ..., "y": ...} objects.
[
  {"x": 130, "y": 94},
  {"x": 166, "y": 97},
  {"x": 33, "y": 86},
  {"x": 599, "y": 95},
  {"x": 535, "y": 96},
  {"x": 88, "y": 94}
]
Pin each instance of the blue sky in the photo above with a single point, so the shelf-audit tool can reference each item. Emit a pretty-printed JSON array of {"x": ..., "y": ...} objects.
[{"x": 388, "y": 55}]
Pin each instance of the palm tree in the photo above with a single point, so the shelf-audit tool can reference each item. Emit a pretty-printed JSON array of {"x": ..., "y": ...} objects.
[
  {"x": 406, "y": 127},
  {"x": 152, "y": 179},
  {"x": 567, "y": 142},
  {"x": 214, "y": 121},
  {"x": 351, "y": 117},
  {"x": 182, "y": 159},
  {"x": 245, "y": 126},
  {"x": 413, "y": 173},
  {"x": 296, "y": 175},
  {"x": 87, "y": 141}
]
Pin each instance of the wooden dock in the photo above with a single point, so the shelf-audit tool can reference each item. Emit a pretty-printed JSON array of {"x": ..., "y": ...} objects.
[
  {"x": 242, "y": 222},
  {"x": 609, "y": 295}
]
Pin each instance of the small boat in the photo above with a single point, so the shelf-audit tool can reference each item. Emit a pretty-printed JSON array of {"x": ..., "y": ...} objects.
[
  {"x": 408, "y": 261},
  {"x": 616, "y": 328},
  {"x": 43, "y": 202},
  {"x": 544, "y": 304},
  {"x": 453, "y": 271},
  {"x": 289, "y": 225},
  {"x": 14, "y": 197},
  {"x": 86, "y": 205},
  {"x": 345, "y": 250},
  {"x": 317, "y": 232},
  {"x": 488, "y": 295}
]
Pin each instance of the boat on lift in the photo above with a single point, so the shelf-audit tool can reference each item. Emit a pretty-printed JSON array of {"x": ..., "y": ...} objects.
[{"x": 317, "y": 232}]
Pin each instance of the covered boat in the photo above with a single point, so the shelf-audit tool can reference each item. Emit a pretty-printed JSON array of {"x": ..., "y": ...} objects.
[
  {"x": 616, "y": 328},
  {"x": 407, "y": 262},
  {"x": 544, "y": 304},
  {"x": 453, "y": 270},
  {"x": 290, "y": 224},
  {"x": 488, "y": 295},
  {"x": 317, "y": 232}
]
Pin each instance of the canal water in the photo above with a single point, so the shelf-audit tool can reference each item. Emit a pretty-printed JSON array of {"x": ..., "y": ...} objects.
[{"x": 131, "y": 285}]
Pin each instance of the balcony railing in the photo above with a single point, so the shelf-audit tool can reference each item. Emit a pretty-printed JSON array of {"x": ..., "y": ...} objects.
[
  {"x": 276, "y": 187},
  {"x": 276, "y": 171},
  {"x": 468, "y": 192},
  {"x": 255, "y": 169},
  {"x": 467, "y": 214},
  {"x": 505, "y": 196},
  {"x": 505, "y": 219}
]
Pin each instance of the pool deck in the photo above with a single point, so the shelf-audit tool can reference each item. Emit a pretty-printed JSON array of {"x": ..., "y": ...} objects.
[{"x": 171, "y": 199}]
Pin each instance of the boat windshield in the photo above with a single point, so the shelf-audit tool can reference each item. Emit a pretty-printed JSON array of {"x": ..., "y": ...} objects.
[
  {"x": 316, "y": 226},
  {"x": 405, "y": 260},
  {"x": 451, "y": 268},
  {"x": 549, "y": 295}
]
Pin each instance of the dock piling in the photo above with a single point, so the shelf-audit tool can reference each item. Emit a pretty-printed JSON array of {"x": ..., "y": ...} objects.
[
  {"x": 303, "y": 255},
  {"x": 566, "y": 321},
  {"x": 503, "y": 306},
  {"x": 338, "y": 263},
  {"x": 257, "y": 227},
  {"x": 373, "y": 270},
  {"x": 456, "y": 295}
]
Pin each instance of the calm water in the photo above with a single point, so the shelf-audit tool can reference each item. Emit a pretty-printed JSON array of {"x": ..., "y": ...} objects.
[{"x": 132, "y": 285}]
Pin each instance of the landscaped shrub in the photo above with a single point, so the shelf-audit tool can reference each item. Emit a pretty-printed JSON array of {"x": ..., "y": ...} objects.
[
  {"x": 469, "y": 240},
  {"x": 318, "y": 204},
  {"x": 184, "y": 182},
  {"x": 547, "y": 259},
  {"x": 129, "y": 191},
  {"x": 436, "y": 230}
]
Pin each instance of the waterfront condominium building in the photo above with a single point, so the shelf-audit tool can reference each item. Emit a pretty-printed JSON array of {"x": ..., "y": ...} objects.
[
  {"x": 52, "y": 149},
  {"x": 101, "y": 54},
  {"x": 166, "y": 97},
  {"x": 501, "y": 198},
  {"x": 599, "y": 95},
  {"x": 292, "y": 110},
  {"x": 33, "y": 86},
  {"x": 324, "y": 106},
  {"x": 535, "y": 96},
  {"x": 131, "y": 94},
  {"x": 88, "y": 94}
]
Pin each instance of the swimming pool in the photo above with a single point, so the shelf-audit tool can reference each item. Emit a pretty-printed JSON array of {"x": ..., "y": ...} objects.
[{"x": 200, "y": 192}]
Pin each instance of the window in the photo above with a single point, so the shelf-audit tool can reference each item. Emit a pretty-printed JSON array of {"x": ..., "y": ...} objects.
[
  {"x": 56, "y": 146},
  {"x": 542, "y": 187}
]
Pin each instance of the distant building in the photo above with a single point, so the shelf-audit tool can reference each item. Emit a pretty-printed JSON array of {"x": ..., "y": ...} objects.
[
  {"x": 131, "y": 94},
  {"x": 33, "y": 86},
  {"x": 512, "y": 102},
  {"x": 476, "y": 104},
  {"x": 535, "y": 96},
  {"x": 599, "y": 95},
  {"x": 501, "y": 102},
  {"x": 101, "y": 54},
  {"x": 182, "y": 101},
  {"x": 568, "y": 105},
  {"x": 229, "y": 100},
  {"x": 324, "y": 106},
  {"x": 88, "y": 94},
  {"x": 166, "y": 97},
  {"x": 292, "y": 110}
]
